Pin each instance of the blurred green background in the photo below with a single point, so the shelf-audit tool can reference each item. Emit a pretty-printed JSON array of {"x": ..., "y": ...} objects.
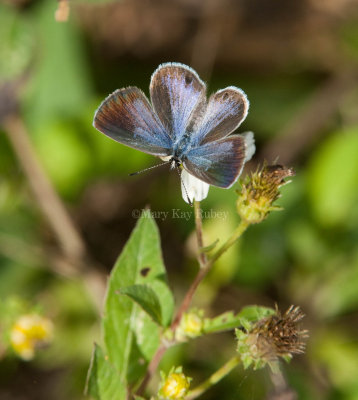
[{"x": 297, "y": 61}]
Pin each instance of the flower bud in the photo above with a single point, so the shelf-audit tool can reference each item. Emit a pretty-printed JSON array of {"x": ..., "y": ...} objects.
[
  {"x": 191, "y": 325},
  {"x": 260, "y": 191}
]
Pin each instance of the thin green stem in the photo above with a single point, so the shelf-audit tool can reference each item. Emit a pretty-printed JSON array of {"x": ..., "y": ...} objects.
[
  {"x": 243, "y": 225},
  {"x": 199, "y": 233},
  {"x": 203, "y": 261},
  {"x": 214, "y": 378}
]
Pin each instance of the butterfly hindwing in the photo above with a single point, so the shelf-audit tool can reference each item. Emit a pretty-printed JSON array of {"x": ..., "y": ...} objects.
[
  {"x": 127, "y": 117},
  {"x": 225, "y": 111},
  {"x": 218, "y": 163},
  {"x": 178, "y": 96}
]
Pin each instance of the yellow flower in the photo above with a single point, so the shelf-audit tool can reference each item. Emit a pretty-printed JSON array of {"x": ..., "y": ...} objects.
[
  {"x": 191, "y": 325},
  {"x": 175, "y": 386},
  {"x": 28, "y": 333}
]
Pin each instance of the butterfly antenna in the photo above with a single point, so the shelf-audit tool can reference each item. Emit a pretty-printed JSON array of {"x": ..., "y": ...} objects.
[
  {"x": 147, "y": 169},
  {"x": 186, "y": 192}
]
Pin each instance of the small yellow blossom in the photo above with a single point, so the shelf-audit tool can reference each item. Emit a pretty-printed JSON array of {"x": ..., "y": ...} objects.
[
  {"x": 175, "y": 386},
  {"x": 191, "y": 325},
  {"x": 28, "y": 333}
]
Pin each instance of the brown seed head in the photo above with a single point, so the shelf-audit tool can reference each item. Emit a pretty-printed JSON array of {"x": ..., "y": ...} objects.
[{"x": 278, "y": 335}]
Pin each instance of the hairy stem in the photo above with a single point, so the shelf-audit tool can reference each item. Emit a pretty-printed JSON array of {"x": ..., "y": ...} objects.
[
  {"x": 214, "y": 378},
  {"x": 205, "y": 266},
  {"x": 153, "y": 365},
  {"x": 74, "y": 259}
]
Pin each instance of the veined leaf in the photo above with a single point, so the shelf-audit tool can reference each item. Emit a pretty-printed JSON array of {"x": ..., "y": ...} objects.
[
  {"x": 103, "y": 381},
  {"x": 126, "y": 327},
  {"x": 146, "y": 298}
]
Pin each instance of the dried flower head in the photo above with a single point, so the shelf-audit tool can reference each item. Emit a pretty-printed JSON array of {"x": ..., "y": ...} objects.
[
  {"x": 175, "y": 386},
  {"x": 272, "y": 337},
  {"x": 260, "y": 191},
  {"x": 30, "y": 332}
]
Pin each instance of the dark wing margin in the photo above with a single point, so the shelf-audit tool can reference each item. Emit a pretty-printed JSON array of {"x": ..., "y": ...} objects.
[
  {"x": 178, "y": 96},
  {"x": 225, "y": 111},
  {"x": 219, "y": 163},
  {"x": 127, "y": 117}
]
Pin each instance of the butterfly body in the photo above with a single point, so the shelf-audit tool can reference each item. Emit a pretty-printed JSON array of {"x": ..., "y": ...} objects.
[{"x": 180, "y": 124}]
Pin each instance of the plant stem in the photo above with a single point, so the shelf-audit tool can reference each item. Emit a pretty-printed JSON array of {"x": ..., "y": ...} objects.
[
  {"x": 199, "y": 233},
  {"x": 153, "y": 365},
  {"x": 202, "y": 271},
  {"x": 205, "y": 266},
  {"x": 243, "y": 225},
  {"x": 214, "y": 378},
  {"x": 189, "y": 296}
]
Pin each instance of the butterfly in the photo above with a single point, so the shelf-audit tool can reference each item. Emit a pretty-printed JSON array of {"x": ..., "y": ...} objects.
[{"x": 180, "y": 125}]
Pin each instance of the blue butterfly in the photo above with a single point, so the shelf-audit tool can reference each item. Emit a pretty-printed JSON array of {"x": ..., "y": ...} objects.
[{"x": 181, "y": 125}]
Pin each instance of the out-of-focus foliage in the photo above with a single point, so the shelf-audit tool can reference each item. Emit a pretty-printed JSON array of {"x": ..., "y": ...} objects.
[
  {"x": 282, "y": 54},
  {"x": 333, "y": 179}
]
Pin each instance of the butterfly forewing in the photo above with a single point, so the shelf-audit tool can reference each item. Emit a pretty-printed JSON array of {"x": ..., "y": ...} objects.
[
  {"x": 218, "y": 163},
  {"x": 178, "y": 96},
  {"x": 225, "y": 111},
  {"x": 127, "y": 117}
]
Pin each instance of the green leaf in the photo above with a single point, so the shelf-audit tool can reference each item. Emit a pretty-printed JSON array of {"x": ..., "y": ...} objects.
[
  {"x": 147, "y": 299},
  {"x": 64, "y": 146},
  {"x": 60, "y": 85},
  {"x": 210, "y": 247},
  {"x": 126, "y": 327},
  {"x": 103, "y": 381},
  {"x": 16, "y": 45},
  {"x": 333, "y": 179},
  {"x": 229, "y": 320},
  {"x": 222, "y": 322}
]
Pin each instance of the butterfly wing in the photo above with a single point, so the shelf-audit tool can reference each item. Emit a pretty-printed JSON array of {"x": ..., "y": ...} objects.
[
  {"x": 178, "y": 96},
  {"x": 127, "y": 117},
  {"x": 218, "y": 163},
  {"x": 225, "y": 111}
]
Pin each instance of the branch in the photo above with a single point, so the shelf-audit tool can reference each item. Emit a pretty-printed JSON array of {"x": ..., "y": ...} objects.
[{"x": 75, "y": 259}]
